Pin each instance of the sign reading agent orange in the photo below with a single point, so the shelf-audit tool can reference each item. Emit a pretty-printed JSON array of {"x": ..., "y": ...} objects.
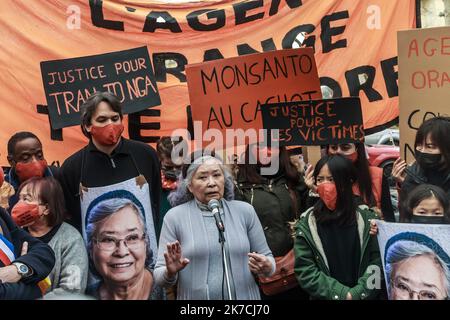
[
  {"x": 424, "y": 81},
  {"x": 228, "y": 93}
]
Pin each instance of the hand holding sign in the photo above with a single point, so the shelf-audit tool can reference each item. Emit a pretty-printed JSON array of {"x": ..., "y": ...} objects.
[
  {"x": 309, "y": 179},
  {"x": 399, "y": 170}
]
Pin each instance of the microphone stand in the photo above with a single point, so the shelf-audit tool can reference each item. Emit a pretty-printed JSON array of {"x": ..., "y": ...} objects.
[{"x": 224, "y": 257}]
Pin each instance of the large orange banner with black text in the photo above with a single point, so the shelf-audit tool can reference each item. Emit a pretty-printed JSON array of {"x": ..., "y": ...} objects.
[{"x": 354, "y": 43}]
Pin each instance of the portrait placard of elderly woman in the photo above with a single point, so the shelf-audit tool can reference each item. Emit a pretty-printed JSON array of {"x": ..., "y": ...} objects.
[
  {"x": 417, "y": 269},
  {"x": 190, "y": 253},
  {"x": 119, "y": 252}
]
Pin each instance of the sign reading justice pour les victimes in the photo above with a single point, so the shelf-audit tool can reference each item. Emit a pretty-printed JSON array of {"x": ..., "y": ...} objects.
[{"x": 316, "y": 122}]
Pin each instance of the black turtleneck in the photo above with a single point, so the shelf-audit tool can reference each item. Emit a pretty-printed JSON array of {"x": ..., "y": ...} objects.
[{"x": 343, "y": 251}]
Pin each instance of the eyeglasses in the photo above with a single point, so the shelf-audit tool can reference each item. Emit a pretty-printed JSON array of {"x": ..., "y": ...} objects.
[
  {"x": 403, "y": 291},
  {"x": 132, "y": 242}
]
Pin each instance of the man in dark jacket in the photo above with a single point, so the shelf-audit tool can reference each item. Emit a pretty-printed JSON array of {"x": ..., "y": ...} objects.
[
  {"x": 108, "y": 158},
  {"x": 19, "y": 279}
]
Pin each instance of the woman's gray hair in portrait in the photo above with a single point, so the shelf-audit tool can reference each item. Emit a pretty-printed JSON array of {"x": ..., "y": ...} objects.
[
  {"x": 105, "y": 209},
  {"x": 403, "y": 250}
]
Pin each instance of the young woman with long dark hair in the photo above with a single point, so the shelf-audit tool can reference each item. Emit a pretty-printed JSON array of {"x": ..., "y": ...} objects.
[
  {"x": 370, "y": 184},
  {"x": 334, "y": 253}
]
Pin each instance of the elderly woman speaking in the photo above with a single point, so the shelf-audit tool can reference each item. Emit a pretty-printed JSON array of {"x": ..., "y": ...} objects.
[{"x": 192, "y": 256}]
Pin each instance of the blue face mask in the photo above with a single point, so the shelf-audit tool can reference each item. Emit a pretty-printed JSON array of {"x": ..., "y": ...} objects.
[{"x": 428, "y": 219}]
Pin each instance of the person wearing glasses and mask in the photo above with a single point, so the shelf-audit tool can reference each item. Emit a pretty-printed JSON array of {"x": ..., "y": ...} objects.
[
  {"x": 40, "y": 211},
  {"x": 417, "y": 268},
  {"x": 371, "y": 185},
  {"x": 120, "y": 257}
]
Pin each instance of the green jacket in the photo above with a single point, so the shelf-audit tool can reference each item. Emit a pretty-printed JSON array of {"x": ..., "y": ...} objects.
[
  {"x": 164, "y": 207},
  {"x": 273, "y": 205},
  {"x": 311, "y": 266}
]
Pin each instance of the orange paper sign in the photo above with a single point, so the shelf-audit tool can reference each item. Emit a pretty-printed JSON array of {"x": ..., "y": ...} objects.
[{"x": 228, "y": 93}]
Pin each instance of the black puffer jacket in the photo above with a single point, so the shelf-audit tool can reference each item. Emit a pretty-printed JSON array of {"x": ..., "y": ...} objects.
[{"x": 273, "y": 205}]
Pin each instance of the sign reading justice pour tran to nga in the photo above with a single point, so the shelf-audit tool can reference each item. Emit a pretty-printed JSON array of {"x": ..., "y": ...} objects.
[{"x": 69, "y": 82}]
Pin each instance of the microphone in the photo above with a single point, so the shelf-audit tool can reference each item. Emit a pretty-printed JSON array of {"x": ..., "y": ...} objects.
[{"x": 213, "y": 205}]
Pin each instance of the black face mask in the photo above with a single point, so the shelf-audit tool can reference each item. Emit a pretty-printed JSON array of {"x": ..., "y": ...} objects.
[
  {"x": 428, "y": 219},
  {"x": 428, "y": 160}
]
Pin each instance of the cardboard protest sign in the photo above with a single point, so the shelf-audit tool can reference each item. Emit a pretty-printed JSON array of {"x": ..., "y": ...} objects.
[
  {"x": 424, "y": 81},
  {"x": 228, "y": 93},
  {"x": 316, "y": 122},
  {"x": 69, "y": 82},
  {"x": 416, "y": 260}
]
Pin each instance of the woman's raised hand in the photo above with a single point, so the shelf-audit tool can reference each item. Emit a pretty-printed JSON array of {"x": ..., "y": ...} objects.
[
  {"x": 309, "y": 178},
  {"x": 174, "y": 260}
]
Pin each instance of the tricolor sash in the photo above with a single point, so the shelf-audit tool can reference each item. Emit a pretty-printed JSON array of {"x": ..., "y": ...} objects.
[{"x": 6, "y": 251}]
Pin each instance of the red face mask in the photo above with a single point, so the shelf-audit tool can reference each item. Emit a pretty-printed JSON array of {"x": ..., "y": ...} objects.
[
  {"x": 166, "y": 183},
  {"x": 328, "y": 193},
  {"x": 352, "y": 157},
  {"x": 25, "y": 214},
  {"x": 107, "y": 135},
  {"x": 28, "y": 170},
  {"x": 2, "y": 177}
]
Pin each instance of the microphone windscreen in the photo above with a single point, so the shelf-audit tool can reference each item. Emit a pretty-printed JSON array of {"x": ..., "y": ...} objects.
[{"x": 213, "y": 204}]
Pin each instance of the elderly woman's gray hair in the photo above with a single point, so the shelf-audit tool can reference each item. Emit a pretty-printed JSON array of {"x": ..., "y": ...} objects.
[
  {"x": 406, "y": 249},
  {"x": 182, "y": 194},
  {"x": 107, "y": 208}
]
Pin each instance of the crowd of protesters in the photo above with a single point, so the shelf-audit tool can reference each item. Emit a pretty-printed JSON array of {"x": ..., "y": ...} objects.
[{"x": 83, "y": 228}]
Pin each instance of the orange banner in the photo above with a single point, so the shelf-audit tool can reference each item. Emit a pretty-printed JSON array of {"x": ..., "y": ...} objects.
[{"x": 354, "y": 44}]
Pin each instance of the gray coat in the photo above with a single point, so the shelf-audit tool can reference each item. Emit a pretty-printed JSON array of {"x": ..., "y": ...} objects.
[
  {"x": 71, "y": 268},
  {"x": 243, "y": 233}
]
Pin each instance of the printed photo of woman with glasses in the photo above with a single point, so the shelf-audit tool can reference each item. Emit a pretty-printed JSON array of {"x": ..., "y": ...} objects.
[
  {"x": 119, "y": 253},
  {"x": 417, "y": 268}
]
